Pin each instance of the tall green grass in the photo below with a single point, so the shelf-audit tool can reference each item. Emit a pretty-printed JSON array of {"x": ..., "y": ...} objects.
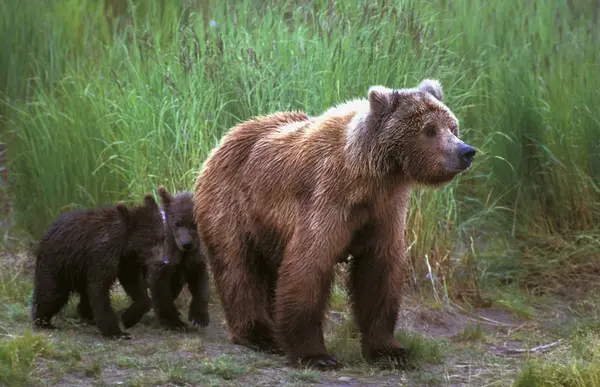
[{"x": 104, "y": 105}]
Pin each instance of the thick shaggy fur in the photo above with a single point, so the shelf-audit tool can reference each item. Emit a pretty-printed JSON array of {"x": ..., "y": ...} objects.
[
  {"x": 284, "y": 197},
  {"x": 86, "y": 251},
  {"x": 185, "y": 264}
]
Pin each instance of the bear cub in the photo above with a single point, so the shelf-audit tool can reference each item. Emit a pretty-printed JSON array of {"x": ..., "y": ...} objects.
[
  {"x": 86, "y": 251},
  {"x": 185, "y": 263}
]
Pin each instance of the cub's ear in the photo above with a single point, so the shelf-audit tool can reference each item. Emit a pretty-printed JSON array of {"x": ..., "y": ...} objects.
[
  {"x": 433, "y": 87},
  {"x": 380, "y": 98},
  {"x": 150, "y": 202},
  {"x": 165, "y": 196},
  {"x": 123, "y": 212}
]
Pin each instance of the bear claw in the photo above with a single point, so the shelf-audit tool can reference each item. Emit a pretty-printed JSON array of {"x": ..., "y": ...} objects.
[
  {"x": 320, "y": 362},
  {"x": 391, "y": 356},
  {"x": 200, "y": 320},
  {"x": 176, "y": 326},
  {"x": 45, "y": 325},
  {"x": 118, "y": 336}
]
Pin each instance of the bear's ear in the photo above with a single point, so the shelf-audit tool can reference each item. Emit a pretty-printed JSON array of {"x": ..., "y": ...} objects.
[
  {"x": 150, "y": 202},
  {"x": 165, "y": 196},
  {"x": 433, "y": 87},
  {"x": 380, "y": 98},
  {"x": 123, "y": 212}
]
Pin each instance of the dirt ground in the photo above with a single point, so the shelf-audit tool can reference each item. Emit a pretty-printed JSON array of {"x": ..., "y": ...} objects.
[{"x": 471, "y": 348}]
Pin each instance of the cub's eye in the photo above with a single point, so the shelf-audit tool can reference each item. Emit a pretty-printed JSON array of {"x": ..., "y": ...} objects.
[
  {"x": 430, "y": 130},
  {"x": 179, "y": 223}
]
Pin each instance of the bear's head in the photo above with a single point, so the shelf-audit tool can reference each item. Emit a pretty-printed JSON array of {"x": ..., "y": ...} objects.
[
  {"x": 416, "y": 133},
  {"x": 145, "y": 230},
  {"x": 179, "y": 218}
]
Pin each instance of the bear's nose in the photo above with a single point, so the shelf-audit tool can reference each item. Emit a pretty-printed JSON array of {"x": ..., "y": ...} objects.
[
  {"x": 466, "y": 153},
  {"x": 187, "y": 245}
]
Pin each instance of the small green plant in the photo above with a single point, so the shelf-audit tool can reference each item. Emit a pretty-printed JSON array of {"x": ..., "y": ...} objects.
[
  {"x": 345, "y": 345},
  {"x": 472, "y": 332},
  {"x": 421, "y": 349},
  {"x": 94, "y": 369},
  {"x": 569, "y": 373},
  {"x": 515, "y": 302},
  {"x": 306, "y": 375},
  {"x": 18, "y": 354},
  {"x": 224, "y": 367}
]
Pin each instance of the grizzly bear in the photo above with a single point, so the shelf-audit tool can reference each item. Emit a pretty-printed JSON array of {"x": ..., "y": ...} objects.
[
  {"x": 284, "y": 197},
  {"x": 86, "y": 251},
  {"x": 185, "y": 263}
]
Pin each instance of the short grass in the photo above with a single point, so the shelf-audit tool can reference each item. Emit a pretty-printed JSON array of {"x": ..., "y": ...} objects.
[
  {"x": 578, "y": 364},
  {"x": 474, "y": 347}
]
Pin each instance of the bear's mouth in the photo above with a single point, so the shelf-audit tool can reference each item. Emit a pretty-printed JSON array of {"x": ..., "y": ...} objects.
[{"x": 456, "y": 166}]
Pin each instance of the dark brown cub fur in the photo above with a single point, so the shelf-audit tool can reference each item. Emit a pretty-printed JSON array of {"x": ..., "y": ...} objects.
[
  {"x": 85, "y": 252},
  {"x": 185, "y": 264}
]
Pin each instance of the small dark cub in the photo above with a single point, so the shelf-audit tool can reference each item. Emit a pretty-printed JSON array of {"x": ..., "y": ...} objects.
[
  {"x": 86, "y": 251},
  {"x": 185, "y": 264}
]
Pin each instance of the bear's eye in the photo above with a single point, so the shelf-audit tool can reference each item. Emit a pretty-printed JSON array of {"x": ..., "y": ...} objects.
[{"x": 430, "y": 130}]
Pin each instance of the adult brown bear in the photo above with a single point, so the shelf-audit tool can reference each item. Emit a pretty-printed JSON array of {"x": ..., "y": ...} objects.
[{"x": 286, "y": 196}]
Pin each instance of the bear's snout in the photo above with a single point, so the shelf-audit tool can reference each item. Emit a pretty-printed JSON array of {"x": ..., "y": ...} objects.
[
  {"x": 184, "y": 239},
  {"x": 186, "y": 245},
  {"x": 466, "y": 153}
]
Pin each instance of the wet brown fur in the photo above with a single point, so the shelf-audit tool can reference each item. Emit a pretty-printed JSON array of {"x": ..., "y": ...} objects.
[
  {"x": 286, "y": 196},
  {"x": 186, "y": 264},
  {"x": 86, "y": 251}
]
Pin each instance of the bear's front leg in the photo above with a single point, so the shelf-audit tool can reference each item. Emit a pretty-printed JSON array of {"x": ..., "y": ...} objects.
[
  {"x": 196, "y": 275},
  {"x": 305, "y": 277},
  {"x": 162, "y": 281},
  {"x": 375, "y": 287},
  {"x": 104, "y": 315},
  {"x": 135, "y": 286}
]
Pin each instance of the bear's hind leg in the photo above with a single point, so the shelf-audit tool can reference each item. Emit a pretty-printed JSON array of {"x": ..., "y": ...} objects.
[
  {"x": 165, "y": 284},
  {"x": 244, "y": 297},
  {"x": 84, "y": 309},
  {"x": 48, "y": 299}
]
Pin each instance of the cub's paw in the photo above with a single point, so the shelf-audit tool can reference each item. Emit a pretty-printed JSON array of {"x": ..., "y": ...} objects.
[
  {"x": 87, "y": 320},
  {"x": 129, "y": 318},
  {"x": 175, "y": 325},
  {"x": 199, "y": 319},
  {"x": 43, "y": 324},
  {"x": 118, "y": 336}
]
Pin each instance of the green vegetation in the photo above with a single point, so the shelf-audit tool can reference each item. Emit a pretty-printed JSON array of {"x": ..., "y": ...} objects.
[
  {"x": 17, "y": 355},
  {"x": 103, "y": 103},
  {"x": 105, "y": 100},
  {"x": 578, "y": 365}
]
